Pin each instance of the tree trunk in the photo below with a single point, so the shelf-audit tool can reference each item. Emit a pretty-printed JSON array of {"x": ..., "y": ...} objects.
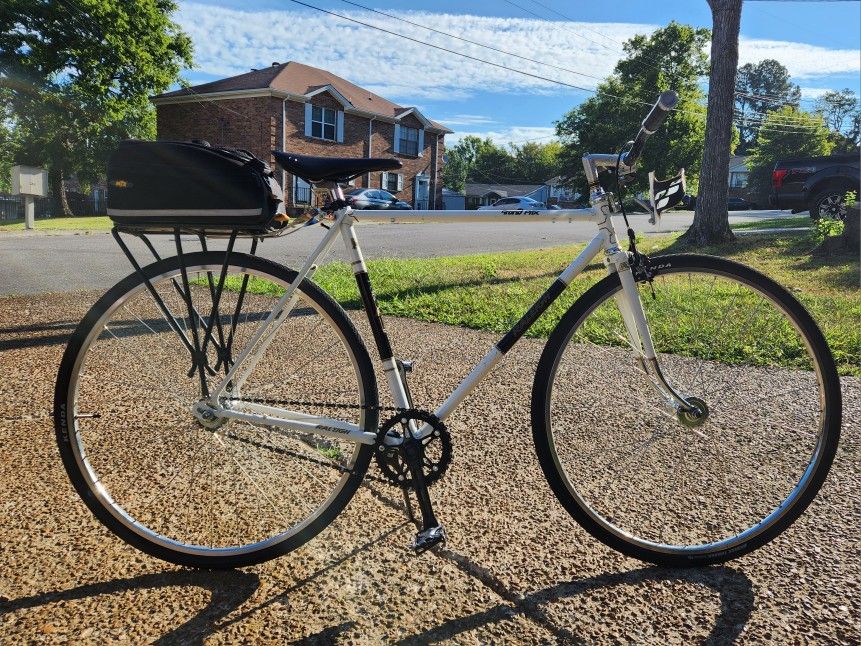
[
  {"x": 711, "y": 221},
  {"x": 58, "y": 193}
]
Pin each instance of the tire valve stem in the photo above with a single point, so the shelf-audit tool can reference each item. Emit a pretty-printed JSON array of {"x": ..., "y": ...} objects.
[{"x": 87, "y": 415}]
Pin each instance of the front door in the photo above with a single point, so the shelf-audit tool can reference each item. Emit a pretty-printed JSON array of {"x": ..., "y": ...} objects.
[{"x": 421, "y": 192}]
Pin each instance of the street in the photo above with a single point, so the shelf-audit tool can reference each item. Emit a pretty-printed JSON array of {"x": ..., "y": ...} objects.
[{"x": 38, "y": 263}]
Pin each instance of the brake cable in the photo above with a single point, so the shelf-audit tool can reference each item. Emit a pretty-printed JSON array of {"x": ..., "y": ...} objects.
[{"x": 640, "y": 263}]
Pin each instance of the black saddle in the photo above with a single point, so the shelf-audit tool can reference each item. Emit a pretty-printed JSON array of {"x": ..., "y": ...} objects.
[{"x": 331, "y": 169}]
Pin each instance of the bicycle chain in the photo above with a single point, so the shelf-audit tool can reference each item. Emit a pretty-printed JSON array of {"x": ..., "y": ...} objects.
[{"x": 296, "y": 402}]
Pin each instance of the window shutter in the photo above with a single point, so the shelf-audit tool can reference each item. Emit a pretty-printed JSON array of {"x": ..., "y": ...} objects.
[
  {"x": 400, "y": 182},
  {"x": 421, "y": 141},
  {"x": 339, "y": 134},
  {"x": 397, "y": 145},
  {"x": 307, "y": 119},
  {"x": 383, "y": 180}
]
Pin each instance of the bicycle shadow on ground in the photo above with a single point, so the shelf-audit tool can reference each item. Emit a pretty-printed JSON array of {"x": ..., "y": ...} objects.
[
  {"x": 228, "y": 590},
  {"x": 733, "y": 587}
]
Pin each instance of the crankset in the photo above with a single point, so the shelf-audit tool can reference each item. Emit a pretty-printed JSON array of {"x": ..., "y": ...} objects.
[{"x": 415, "y": 463}]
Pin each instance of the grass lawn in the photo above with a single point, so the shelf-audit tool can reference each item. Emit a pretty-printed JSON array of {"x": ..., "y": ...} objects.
[
  {"x": 491, "y": 291},
  {"x": 91, "y": 223},
  {"x": 776, "y": 223}
]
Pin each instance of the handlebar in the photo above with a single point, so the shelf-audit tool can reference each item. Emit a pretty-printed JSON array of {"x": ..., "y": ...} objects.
[{"x": 666, "y": 102}]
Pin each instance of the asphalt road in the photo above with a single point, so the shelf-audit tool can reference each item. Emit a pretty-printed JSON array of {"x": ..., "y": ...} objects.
[{"x": 33, "y": 263}]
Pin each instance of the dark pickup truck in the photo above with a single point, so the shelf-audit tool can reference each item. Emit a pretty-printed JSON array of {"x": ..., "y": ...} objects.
[{"x": 817, "y": 184}]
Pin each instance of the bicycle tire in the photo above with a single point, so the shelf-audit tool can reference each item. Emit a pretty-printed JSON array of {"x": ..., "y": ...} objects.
[
  {"x": 603, "y": 506},
  {"x": 256, "y": 455}
]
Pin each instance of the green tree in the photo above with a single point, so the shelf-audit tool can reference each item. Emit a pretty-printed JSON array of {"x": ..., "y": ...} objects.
[
  {"x": 473, "y": 159},
  {"x": 79, "y": 74},
  {"x": 810, "y": 138},
  {"x": 670, "y": 58},
  {"x": 760, "y": 87},
  {"x": 842, "y": 114},
  {"x": 536, "y": 162},
  {"x": 7, "y": 144}
]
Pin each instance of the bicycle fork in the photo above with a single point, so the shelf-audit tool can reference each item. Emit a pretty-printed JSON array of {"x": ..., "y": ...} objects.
[{"x": 640, "y": 337}]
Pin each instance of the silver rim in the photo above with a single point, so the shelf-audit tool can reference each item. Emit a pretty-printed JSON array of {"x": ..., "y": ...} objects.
[
  {"x": 832, "y": 207},
  {"x": 656, "y": 483},
  {"x": 182, "y": 487}
]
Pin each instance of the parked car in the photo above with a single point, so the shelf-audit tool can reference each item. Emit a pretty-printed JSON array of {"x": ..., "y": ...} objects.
[
  {"x": 514, "y": 203},
  {"x": 376, "y": 199},
  {"x": 732, "y": 203},
  {"x": 815, "y": 184},
  {"x": 739, "y": 204}
]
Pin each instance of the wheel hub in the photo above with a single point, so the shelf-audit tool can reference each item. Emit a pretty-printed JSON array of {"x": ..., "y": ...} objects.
[
  {"x": 207, "y": 417},
  {"x": 694, "y": 418}
]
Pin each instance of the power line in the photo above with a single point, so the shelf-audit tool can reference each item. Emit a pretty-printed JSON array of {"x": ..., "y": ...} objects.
[
  {"x": 471, "y": 42},
  {"x": 461, "y": 54}
]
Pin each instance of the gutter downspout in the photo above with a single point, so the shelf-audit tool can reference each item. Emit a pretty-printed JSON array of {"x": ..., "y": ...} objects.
[
  {"x": 433, "y": 181},
  {"x": 283, "y": 147},
  {"x": 370, "y": 154}
]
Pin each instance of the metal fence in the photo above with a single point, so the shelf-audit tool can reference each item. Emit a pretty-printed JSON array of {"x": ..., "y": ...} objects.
[{"x": 12, "y": 206}]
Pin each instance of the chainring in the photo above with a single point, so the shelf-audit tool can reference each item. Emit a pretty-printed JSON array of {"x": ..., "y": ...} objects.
[{"x": 436, "y": 450}]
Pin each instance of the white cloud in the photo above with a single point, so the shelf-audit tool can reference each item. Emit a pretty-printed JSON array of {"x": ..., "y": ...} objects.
[
  {"x": 505, "y": 136},
  {"x": 802, "y": 60},
  {"x": 813, "y": 92},
  {"x": 230, "y": 41},
  {"x": 466, "y": 120}
]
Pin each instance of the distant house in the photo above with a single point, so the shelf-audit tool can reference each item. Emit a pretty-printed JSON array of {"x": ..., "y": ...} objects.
[
  {"x": 452, "y": 200},
  {"x": 550, "y": 192},
  {"x": 305, "y": 110},
  {"x": 738, "y": 171}
]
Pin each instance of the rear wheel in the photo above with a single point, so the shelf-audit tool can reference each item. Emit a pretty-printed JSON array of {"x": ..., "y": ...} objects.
[
  {"x": 230, "y": 493},
  {"x": 686, "y": 489}
]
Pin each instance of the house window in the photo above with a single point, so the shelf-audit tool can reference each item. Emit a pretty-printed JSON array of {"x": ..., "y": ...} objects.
[
  {"x": 409, "y": 144},
  {"x": 392, "y": 182},
  {"x": 301, "y": 191},
  {"x": 323, "y": 123},
  {"x": 738, "y": 180}
]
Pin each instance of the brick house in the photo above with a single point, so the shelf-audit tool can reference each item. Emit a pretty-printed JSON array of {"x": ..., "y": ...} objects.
[{"x": 309, "y": 111}]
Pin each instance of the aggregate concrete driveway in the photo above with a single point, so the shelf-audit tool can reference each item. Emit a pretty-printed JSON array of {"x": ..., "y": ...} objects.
[{"x": 517, "y": 569}]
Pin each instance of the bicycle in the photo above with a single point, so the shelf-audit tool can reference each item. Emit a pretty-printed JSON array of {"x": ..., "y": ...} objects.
[{"x": 215, "y": 409}]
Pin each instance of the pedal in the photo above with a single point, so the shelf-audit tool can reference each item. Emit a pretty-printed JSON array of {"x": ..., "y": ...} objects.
[{"x": 428, "y": 539}]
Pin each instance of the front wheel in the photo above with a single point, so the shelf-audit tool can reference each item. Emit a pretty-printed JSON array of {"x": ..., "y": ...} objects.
[
  {"x": 214, "y": 493},
  {"x": 669, "y": 487}
]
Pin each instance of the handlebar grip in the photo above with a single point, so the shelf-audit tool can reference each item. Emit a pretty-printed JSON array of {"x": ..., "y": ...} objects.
[{"x": 666, "y": 102}]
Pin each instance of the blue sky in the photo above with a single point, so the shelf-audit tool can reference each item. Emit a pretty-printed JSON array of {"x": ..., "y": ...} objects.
[{"x": 817, "y": 41}]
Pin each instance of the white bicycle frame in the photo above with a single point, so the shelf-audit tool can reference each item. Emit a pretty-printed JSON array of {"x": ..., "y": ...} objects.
[{"x": 615, "y": 259}]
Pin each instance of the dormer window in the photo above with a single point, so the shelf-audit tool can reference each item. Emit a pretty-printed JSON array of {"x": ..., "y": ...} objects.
[
  {"x": 409, "y": 143},
  {"x": 323, "y": 121}
]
